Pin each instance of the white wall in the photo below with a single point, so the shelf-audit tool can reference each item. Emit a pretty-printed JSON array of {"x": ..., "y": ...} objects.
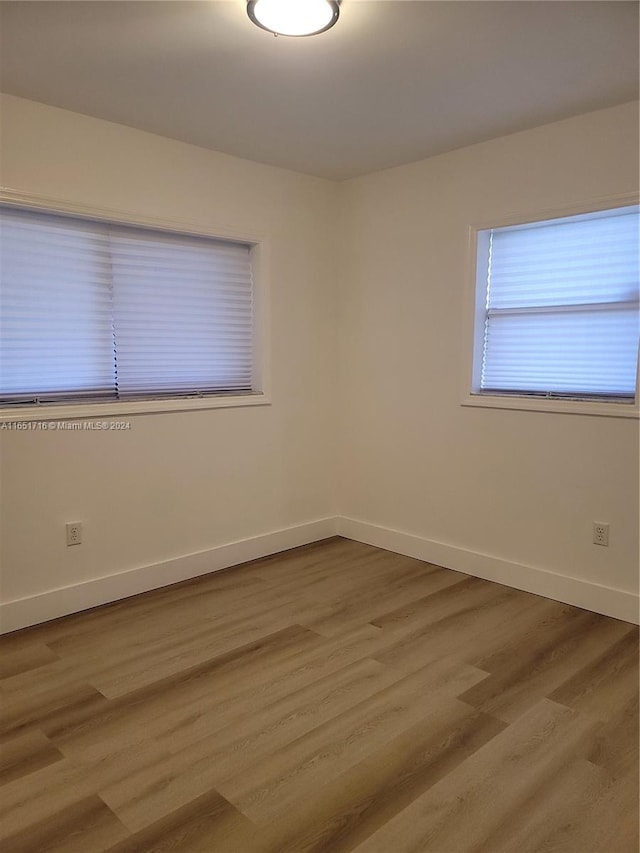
[
  {"x": 520, "y": 486},
  {"x": 176, "y": 483}
]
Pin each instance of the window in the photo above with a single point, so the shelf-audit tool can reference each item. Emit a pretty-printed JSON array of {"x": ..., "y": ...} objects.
[
  {"x": 95, "y": 311},
  {"x": 557, "y": 308}
]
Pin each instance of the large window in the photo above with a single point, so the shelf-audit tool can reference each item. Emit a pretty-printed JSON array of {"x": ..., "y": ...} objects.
[
  {"x": 98, "y": 311},
  {"x": 557, "y": 308}
]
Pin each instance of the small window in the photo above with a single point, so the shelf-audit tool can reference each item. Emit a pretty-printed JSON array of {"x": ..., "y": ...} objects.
[
  {"x": 99, "y": 311},
  {"x": 557, "y": 308}
]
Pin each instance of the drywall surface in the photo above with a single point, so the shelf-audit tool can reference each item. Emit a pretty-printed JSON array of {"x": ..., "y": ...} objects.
[
  {"x": 179, "y": 483},
  {"x": 523, "y": 487}
]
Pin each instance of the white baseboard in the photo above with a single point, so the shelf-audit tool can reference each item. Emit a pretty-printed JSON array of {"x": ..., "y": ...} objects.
[
  {"x": 23, "y": 612},
  {"x": 600, "y": 599},
  {"x": 54, "y": 603}
]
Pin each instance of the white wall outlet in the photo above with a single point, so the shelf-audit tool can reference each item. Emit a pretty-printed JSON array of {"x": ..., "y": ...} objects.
[
  {"x": 74, "y": 533},
  {"x": 600, "y": 533}
]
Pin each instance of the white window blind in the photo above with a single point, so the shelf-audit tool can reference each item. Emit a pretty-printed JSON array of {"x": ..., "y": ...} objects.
[
  {"x": 96, "y": 310},
  {"x": 562, "y": 307},
  {"x": 55, "y": 309},
  {"x": 182, "y": 313}
]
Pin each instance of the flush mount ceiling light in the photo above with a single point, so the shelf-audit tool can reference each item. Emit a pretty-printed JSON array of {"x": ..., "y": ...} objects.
[{"x": 294, "y": 17}]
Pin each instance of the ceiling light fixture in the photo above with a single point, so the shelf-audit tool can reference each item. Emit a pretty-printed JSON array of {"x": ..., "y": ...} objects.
[{"x": 294, "y": 17}]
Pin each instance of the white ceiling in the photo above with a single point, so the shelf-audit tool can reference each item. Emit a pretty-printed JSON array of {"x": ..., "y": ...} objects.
[{"x": 393, "y": 81}]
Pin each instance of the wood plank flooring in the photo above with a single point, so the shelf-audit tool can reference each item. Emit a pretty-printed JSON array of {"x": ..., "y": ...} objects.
[{"x": 333, "y": 698}]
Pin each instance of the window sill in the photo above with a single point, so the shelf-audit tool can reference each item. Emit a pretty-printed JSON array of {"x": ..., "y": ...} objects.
[
  {"x": 566, "y": 407},
  {"x": 73, "y": 411}
]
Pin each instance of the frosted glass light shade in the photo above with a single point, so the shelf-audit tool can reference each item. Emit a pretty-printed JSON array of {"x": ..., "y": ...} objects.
[{"x": 294, "y": 17}]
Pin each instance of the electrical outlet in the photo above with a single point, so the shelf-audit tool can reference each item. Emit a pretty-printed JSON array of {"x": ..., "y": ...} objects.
[
  {"x": 74, "y": 533},
  {"x": 600, "y": 533}
]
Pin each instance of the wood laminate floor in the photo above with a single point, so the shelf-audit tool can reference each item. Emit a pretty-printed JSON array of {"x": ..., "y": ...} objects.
[{"x": 333, "y": 698}]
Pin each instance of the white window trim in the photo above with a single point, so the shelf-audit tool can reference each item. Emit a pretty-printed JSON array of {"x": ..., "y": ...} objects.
[
  {"x": 471, "y": 341},
  {"x": 260, "y": 265}
]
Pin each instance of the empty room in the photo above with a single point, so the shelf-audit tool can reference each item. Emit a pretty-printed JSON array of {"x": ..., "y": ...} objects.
[{"x": 319, "y": 426}]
